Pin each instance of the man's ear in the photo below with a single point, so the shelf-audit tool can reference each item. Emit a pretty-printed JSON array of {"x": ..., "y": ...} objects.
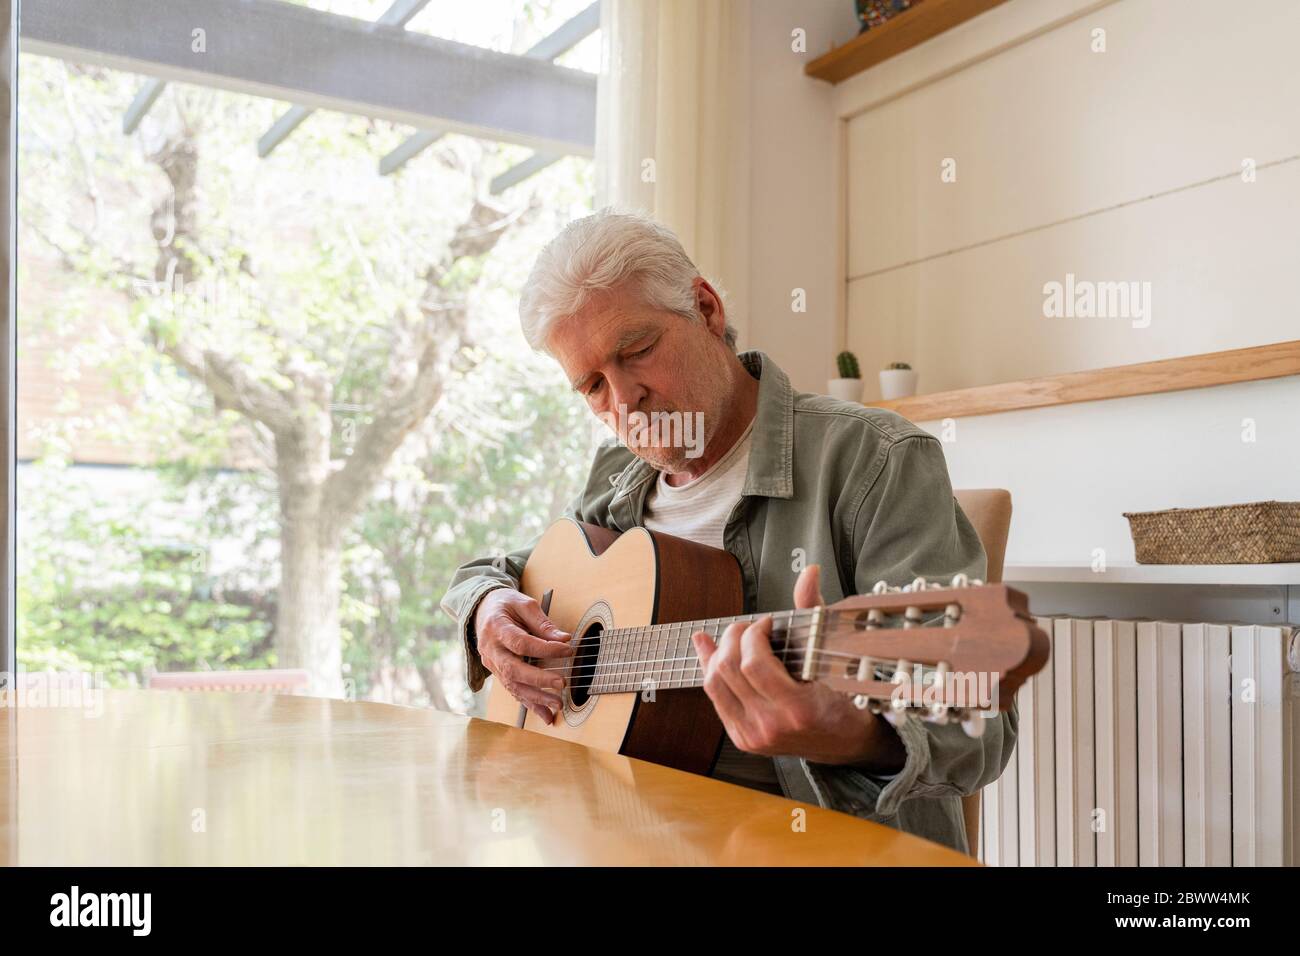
[{"x": 710, "y": 305}]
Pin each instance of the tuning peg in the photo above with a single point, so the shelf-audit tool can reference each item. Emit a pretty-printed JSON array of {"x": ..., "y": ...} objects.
[
  {"x": 896, "y": 714},
  {"x": 898, "y": 706},
  {"x": 973, "y": 724},
  {"x": 938, "y": 679}
]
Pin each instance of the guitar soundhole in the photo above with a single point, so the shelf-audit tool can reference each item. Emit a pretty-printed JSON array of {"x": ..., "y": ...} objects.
[{"x": 584, "y": 665}]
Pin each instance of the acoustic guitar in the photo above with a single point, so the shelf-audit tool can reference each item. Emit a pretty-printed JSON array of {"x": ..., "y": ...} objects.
[{"x": 634, "y": 684}]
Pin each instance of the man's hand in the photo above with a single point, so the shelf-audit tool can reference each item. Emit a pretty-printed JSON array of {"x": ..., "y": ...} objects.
[
  {"x": 766, "y": 711},
  {"x": 511, "y": 626}
]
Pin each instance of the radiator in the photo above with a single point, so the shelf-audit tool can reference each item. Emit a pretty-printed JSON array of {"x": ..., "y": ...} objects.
[{"x": 1150, "y": 743}]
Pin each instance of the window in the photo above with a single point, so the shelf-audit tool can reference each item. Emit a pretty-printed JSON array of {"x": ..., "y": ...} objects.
[{"x": 271, "y": 389}]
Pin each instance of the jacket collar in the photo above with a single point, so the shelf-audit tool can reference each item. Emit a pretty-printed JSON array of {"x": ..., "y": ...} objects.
[{"x": 771, "y": 454}]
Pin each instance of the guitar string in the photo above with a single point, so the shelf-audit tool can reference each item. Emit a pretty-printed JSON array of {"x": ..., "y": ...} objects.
[
  {"x": 782, "y": 622},
  {"x": 622, "y": 636},
  {"x": 647, "y": 668},
  {"x": 693, "y": 666},
  {"x": 618, "y": 636},
  {"x": 600, "y": 667},
  {"x": 799, "y": 652},
  {"x": 602, "y": 646},
  {"x": 688, "y": 668},
  {"x": 691, "y": 671},
  {"x": 613, "y": 673},
  {"x": 692, "y": 663}
]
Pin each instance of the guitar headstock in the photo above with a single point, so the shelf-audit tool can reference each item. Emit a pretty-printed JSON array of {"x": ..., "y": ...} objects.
[{"x": 941, "y": 652}]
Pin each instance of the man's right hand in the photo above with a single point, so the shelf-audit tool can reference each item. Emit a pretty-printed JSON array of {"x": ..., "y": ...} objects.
[{"x": 509, "y": 626}]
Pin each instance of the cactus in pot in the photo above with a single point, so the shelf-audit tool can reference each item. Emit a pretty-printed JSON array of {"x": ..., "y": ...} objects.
[
  {"x": 849, "y": 385},
  {"x": 897, "y": 380},
  {"x": 848, "y": 365}
]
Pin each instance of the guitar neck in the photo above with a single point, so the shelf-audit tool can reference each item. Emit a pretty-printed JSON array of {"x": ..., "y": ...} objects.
[{"x": 662, "y": 656}]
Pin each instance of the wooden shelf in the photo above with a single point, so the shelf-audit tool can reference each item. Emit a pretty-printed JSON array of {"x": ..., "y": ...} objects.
[
  {"x": 1262, "y": 575},
  {"x": 927, "y": 19},
  {"x": 1122, "y": 381}
]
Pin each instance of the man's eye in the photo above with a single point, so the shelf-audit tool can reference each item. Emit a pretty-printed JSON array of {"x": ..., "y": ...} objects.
[
  {"x": 595, "y": 386},
  {"x": 644, "y": 351}
]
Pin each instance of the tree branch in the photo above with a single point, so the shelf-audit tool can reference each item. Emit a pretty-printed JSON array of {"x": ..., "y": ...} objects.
[
  {"x": 412, "y": 386},
  {"x": 231, "y": 386}
]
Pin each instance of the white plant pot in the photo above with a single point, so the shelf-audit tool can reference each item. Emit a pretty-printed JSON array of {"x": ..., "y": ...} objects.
[
  {"x": 849, "y": 389},
  {"x": 897, "y": 383}
]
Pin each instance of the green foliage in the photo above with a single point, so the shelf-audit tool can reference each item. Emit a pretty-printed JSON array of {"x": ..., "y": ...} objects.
[
  {"x": 848, "y": 365},
  {"x": 501, "y": 461},
  {"x": 98, "y": 592},
  {"x": 303, "y": 260},
  {"x": 898, "y": 366}
]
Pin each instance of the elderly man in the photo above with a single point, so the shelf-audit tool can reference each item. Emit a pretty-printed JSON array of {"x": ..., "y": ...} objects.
[{"x": 781, "y": 479}]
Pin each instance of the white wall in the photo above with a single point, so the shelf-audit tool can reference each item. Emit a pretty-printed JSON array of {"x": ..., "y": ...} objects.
[
  {"x": 793, "y": 202},
  {"x": 1074, "y": 469},
  {"x": 1114, "y": 166}
]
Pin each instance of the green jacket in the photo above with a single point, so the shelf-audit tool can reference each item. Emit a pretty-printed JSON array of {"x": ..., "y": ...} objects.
[{"x": 865, "y": 494}]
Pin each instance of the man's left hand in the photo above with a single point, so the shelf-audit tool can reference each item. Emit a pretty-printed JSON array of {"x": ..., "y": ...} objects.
[{"x": 766, "y": 711}]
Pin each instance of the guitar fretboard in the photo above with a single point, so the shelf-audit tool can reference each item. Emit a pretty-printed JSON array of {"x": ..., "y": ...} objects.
[{"x": 661, "y": 656}]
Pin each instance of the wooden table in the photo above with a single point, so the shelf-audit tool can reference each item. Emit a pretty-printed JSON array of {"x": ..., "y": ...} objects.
[{"x": 175, "y": 778}]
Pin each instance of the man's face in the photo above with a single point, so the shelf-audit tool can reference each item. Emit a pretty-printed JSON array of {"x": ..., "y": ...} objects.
[{"x": 633, "y": 363}]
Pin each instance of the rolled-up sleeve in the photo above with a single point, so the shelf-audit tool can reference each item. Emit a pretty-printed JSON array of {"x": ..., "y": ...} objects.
[
  {"x": 477, "y": 578},
  {"x": 470, "y": 584}
]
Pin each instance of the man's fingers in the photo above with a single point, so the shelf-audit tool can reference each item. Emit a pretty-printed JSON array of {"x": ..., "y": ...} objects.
[
  {"x": 724, "y": 699},
  {"x": 704, "y": 648},
  {"x": 542, "y": 704},
  {"x": 726, "y": 664},
  {"x": 519, "y": 642},
  {"x": 762, "y": 671},
  {"x": 807, "y": 590},
  {"x": 532, "y": 616},
  {"x": 518, "y": 671}
]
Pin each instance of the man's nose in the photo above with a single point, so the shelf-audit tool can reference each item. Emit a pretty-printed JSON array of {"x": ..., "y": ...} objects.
[{"x": 627, "y": 393}]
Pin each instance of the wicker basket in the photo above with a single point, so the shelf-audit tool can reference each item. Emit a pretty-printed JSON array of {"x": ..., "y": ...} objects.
[{"x": 1264, "y": 532}]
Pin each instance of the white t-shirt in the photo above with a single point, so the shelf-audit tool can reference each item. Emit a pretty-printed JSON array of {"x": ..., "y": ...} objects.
[{"x": 698, "y": 511}]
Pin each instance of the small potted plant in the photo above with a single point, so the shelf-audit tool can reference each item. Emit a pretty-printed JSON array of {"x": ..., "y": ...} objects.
[
  {"x": 897, "y": 380},
  {"x": 849, "y": 385}
]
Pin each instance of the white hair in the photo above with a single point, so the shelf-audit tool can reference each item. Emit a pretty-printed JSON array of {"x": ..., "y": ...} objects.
[{"x": 600, "y": 253}]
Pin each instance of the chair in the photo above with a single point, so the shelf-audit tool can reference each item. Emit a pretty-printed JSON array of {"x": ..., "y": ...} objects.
[
  {"x": 989, "y": 510},
  {"x": 289, "y": 681}
]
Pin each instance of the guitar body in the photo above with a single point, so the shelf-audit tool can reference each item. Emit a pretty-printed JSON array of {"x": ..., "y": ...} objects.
[
  {"x": 599, "y": 580},
  {"x": 634, "y": 684}
]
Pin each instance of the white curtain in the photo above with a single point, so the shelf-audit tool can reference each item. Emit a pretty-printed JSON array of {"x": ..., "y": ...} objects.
[{"x": 671, "y": 127}]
